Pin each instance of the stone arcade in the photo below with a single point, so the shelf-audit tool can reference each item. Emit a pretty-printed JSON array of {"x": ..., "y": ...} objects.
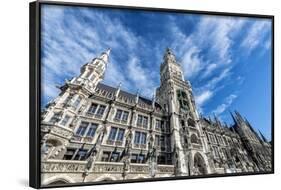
[{"x": 95, "y": 132}]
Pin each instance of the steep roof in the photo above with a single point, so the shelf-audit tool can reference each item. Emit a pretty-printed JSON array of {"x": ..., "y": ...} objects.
[{"x": 143, "y": 102}]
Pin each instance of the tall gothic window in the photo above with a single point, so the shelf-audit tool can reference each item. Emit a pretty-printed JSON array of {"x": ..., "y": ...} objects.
[
  {"x": 121, "y": 115},
  {"x": 92, "y": 130},
  {"x": 93, "y": 108},
  {"x": 120, "y": 134},
  {"x": 65, "y": 120},
  {"x": 216, "y": 151},
  {"x": 87, "y": 128},
  {"x": 142, "y": 121},
  {"x": 68, "y": 99},
  {"x": 101, "y": 110},
  {"x": 112, "y": 133},
  {"x": 116, "y": 134},
  {"x": 96, "y": 109},
  {"x": 118, "y": 114},
  {"x": 55, "y": 118},
  {"x": 82, "y": 128},
  {"x": 77, "y": 102},
  {"x": 140, "y": 138},
  {"x": 158, "y": 124}
]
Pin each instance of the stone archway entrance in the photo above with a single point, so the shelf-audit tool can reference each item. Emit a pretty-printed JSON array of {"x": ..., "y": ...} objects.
[
  {"x": 199, "y": 166},
  {"x": 58, "y": 182}
]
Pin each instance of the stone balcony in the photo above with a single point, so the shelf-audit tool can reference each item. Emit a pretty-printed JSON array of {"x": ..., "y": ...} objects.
[{"x": 55, "y": 129}]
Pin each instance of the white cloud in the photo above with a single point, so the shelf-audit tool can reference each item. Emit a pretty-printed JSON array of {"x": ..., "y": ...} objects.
[
  {"x": 256, "y": 36},
  {"x": 227, "y": 102},
  {"x": 203, "y": 97},
  {"x": 69, "y": 42},
  {"x": 139, "y": 76},
  {"x": 214, "y": 35}
]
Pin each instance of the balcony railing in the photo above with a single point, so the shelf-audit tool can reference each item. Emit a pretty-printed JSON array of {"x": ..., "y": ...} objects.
[
  {"x": 63, "y": 166},
  {"x": 71, "y": 166},
  {"x": 61, "y": 131}
]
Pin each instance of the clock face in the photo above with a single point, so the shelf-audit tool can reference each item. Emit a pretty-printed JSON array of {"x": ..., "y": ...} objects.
[{"x": 182, "y": 98}]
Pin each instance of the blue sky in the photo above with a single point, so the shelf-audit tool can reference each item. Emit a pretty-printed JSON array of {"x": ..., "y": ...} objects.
[{"x": 226, "y": 59}]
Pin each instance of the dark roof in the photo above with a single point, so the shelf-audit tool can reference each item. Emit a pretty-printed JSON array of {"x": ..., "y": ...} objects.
[{"x": 129, "y": 96}]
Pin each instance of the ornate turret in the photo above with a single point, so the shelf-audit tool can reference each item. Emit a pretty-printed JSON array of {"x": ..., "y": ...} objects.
[
  {"x": 170, "y": 68},
  {"x": 71, "y": 101},
  {"x": 92, "y": 72}
]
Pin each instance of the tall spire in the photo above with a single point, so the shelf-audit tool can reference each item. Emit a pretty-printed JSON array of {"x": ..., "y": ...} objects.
[
  {"x": 169, "y": 57},
  {"x": 238, "y": 117},
  {"x": 137, "y": 96},
  {"x": 118, "y": 90},
  {"x": 153, "y": 100},
  {"x": 233, "y": 117},
  {"x": 105, "y": 55},
  {"x": 263, "y": 137}
]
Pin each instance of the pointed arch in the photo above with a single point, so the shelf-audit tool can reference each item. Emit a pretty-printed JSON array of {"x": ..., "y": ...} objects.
[
  {"x": 199, "y": 164},
  {"x": 59, "y": 179}
]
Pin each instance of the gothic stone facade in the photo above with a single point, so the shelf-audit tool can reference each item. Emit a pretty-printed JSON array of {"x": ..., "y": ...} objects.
[{"x": 95, "y": 132}]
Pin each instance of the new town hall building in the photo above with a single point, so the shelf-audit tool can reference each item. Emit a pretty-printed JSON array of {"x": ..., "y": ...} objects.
[{"x": 95, "y": 132}]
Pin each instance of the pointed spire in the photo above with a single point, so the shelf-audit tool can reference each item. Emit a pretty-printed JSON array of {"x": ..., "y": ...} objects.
[
  {"x": 118, "y": 90},
  {"x": 252, "y": 129},
  {"x": 263, "y": 137},
  {"x": 153, "y": 100},
  {"x": 233, "y": 117},
  {"x": 239, "y": 117},
  {"x": 169, "y": 57},
  {"x": 105, "y": 55},
  {"x": 137, "y": 97}
]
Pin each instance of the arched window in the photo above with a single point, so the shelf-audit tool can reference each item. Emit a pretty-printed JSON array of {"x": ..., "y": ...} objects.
[
  {"x": 194, "y": 139},
  {"x": 199, "y": 165},
  {"x": 191, "y": 122}
]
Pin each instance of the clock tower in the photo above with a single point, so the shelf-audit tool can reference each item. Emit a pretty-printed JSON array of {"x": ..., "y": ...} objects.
[{"x": 189, "y": 144}]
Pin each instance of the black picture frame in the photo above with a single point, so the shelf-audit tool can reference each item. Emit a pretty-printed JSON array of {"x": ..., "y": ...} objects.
[{"x": 35, "y": 90}]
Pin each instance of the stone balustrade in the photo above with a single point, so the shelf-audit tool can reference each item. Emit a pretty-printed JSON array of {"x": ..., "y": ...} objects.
[
  {"x": 71, "y": 166},
  {"x": 62, "y": 166}
]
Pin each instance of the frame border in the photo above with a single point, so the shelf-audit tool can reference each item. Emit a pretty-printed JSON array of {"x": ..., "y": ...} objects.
[{"x": 35, "y": 90}]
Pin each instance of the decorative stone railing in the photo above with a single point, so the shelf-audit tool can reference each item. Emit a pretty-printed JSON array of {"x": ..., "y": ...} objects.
[
  {"x": 107, "y": 167},
  {"x": 139, "y": 168},
  {"x": 165, "y": 169},
  {"x": 62, "y": 166},
  {"x": 61, "y": 131},
  {"x": 71, "y": 166}
]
